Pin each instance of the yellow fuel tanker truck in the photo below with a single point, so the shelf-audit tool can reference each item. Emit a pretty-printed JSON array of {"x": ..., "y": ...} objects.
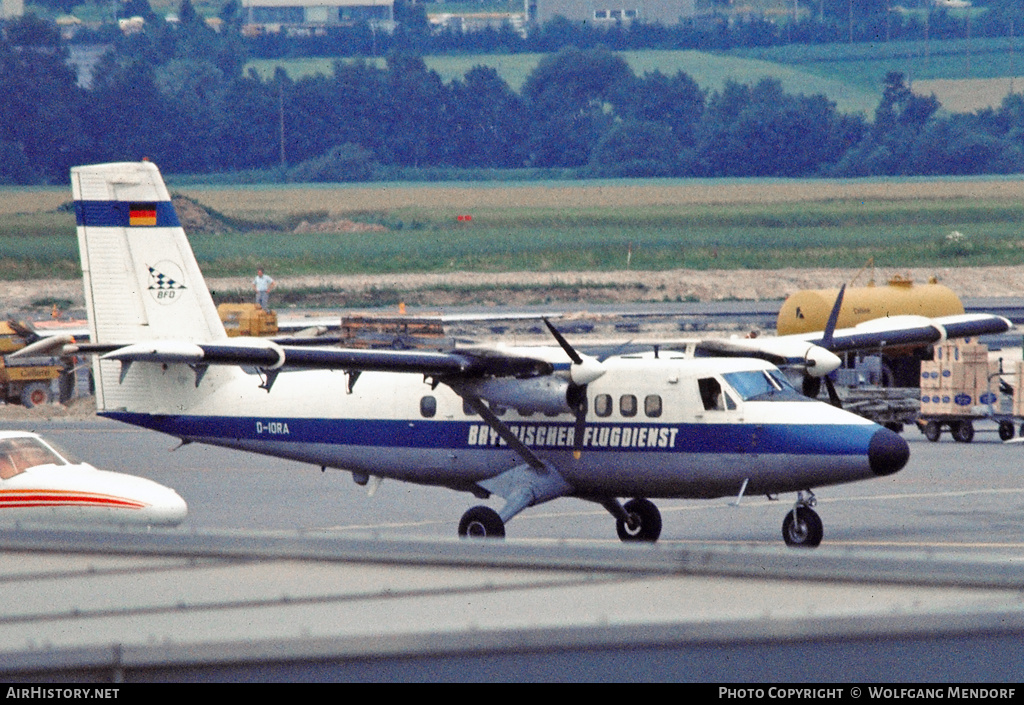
[{"x": 807, "y": 311}]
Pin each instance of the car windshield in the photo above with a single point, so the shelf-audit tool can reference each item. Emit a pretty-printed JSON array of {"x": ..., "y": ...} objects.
[
  {"x": 19, "y": 454},
  {"x": 762, "y": 385}
]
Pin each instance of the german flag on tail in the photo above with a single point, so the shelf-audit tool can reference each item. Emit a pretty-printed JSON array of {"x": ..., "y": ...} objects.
[{"x": 141, "y": 214}]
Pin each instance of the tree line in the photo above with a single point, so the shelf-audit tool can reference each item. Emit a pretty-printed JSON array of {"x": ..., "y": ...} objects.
[{"x": 178, "y": 95}]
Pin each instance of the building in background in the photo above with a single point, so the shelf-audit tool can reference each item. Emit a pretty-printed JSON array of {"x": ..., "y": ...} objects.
[
  {"x": 667, "y": 12},
  {"x": 304, "y": 17}
]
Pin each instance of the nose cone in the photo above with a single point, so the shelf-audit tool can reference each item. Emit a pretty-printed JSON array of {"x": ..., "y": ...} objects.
[
  {"x": 167, "y": 509},
  {"x": 887, "y": 452}
]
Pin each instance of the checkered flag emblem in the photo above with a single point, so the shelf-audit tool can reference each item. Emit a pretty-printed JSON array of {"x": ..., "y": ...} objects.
[{"x": 158, "y": 281}]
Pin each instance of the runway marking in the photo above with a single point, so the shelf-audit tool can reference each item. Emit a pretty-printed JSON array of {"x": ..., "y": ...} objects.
[
  {"x": 929, "y": 495},
  {"x": 928, "y": 544},
  {"x": 381, "y": 527}
]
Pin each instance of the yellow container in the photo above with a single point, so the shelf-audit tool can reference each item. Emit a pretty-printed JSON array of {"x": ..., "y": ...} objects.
[{"x": 807, "y": 311}]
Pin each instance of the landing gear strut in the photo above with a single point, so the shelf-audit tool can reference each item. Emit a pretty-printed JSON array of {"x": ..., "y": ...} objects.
[{"x": 802, "y": 526}]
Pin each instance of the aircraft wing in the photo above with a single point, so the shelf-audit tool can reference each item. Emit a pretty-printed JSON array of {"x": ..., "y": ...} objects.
[
  {"x": 816, "y": 353},
  {"x": 904, "y": 331},
  {"x": 265, "y": 354},
  {"x": 815, "y": 359}
]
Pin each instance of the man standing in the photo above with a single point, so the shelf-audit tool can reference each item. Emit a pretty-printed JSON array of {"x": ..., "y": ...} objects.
[{"x": 263, "y": 285}]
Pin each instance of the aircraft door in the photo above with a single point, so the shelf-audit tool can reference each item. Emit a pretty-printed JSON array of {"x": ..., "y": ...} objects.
[{"x": 721, "y": 406}]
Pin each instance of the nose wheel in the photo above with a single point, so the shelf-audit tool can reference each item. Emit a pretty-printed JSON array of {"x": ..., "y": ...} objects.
[
  {"x": 802, "y": 526},
  {"x": 638, "y": 520}
]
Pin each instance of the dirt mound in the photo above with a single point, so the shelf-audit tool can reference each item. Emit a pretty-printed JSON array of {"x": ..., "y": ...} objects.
[{"x": 196, "y": 219}]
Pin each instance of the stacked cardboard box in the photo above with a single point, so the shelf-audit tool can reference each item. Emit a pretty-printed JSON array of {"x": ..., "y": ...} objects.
[
  {"x": 1018, "y": 396},
  {"x": 955, "y": 382}
]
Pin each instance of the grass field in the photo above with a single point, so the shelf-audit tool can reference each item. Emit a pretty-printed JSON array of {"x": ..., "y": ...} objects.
[
  {"x": 851, "y": 75},
  {"x": 711, "y": 71},
  {"x": 649, "y": 225}
]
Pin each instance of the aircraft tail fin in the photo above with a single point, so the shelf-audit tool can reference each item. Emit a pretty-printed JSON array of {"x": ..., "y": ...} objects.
[{"x": 141, "y": 278}]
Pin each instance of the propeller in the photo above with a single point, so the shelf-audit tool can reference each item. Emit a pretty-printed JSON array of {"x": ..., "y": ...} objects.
[
  {"x": 582, "y": 372},
  {"x": 833, "y": 318},
  {"x": 812, "y": 385}
]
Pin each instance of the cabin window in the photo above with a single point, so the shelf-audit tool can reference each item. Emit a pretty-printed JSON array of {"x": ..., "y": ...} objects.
[
  {"x": 7, "y": 469},
  {"x": 603, "y": 405},
  {"x": 20, "y": 454},
  {"x": 652, "y": 406},
  {"x": 762, "y": 385},
  {"x": 711, "y": 394},
  {"x": 627, "y": 405},
  {"x": 428, "y": 407}
]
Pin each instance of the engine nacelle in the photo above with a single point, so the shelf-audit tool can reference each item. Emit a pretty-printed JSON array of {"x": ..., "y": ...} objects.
[{"x": 548, "y": 394}]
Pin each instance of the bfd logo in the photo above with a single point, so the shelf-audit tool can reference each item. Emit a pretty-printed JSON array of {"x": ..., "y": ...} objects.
[{"x": 165, "y": 282}]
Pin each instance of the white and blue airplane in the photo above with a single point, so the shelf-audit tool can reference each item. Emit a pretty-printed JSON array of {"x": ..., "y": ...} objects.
[{"x": 525, "y": 424}]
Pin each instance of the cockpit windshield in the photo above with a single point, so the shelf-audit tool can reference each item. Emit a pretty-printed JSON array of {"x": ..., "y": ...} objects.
[
  {"x": 763, "y": 385},
  {"x": 19, "y": 454}
]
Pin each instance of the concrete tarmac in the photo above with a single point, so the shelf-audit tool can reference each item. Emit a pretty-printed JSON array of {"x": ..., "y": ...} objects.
[
  {"x": 951, "y": 497},
  {"x": 918, "y": 579}
]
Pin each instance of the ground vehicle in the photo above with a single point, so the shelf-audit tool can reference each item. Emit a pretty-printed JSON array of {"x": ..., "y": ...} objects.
[
  {"x": 30, "y": 379},
  {"x": 247, "y": 320}
]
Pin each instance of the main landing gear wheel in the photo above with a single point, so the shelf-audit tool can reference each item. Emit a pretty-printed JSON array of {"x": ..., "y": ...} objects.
[
  {"x": 802, "y": 528},
  {"x": 644, "y": 521},
  {"x": 481, "y": 523}
]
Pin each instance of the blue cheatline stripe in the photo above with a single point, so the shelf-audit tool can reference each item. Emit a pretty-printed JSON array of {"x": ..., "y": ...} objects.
[
  {"x": 425, "y": 434},
  {"x": 115, "y": 214}
]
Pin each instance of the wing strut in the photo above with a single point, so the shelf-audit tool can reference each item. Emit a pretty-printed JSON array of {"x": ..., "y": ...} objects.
[
  {"x": 502, "y": 430},
  {"x": 524, "y": 485}
]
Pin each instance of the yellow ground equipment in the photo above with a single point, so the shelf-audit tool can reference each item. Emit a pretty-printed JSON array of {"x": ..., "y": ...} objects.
[
  {"x": 28, "y": 379},
  {"x": 807, "y": 311},
  {"x": 247, "y": 320}
]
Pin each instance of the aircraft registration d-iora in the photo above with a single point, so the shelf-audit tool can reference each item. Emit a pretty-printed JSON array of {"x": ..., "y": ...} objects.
[
  {"x": 40, "y": 485},
  {"x": 526, "y": 424}
]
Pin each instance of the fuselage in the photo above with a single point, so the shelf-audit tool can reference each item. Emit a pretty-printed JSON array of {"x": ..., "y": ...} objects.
[{"x": 651, "y": 427}]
